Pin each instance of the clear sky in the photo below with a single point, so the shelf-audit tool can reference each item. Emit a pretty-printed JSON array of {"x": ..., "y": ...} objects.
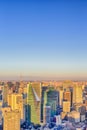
[{"x": 43, "y": 38}]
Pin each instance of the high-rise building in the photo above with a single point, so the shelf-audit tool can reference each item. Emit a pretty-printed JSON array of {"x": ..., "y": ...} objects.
[
  {"x": 5, "y": 94},
  {"x": 34, "y": 102},
  {"x": 15, "y": 100},
  {"x": 51, "y": 98},
  {"x": 67, "y": 96},
  {"x": 37, "y": 87},
  {"x": 46, "y": 114},
  {"x": 11, "y": 120},
  {"x": 61, "y": 97},
  {"x": 44, "y": 88},
  {"x": 66, "y": 106},
  {"x": 77, "y": 94},
  {"x": 27, "y": 112},
  {"x": 1, "y": 95},
  {"x": 1, "y": 92}
]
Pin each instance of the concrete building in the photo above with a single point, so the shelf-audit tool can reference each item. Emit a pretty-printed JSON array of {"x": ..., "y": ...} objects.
[
  {"x": 67, "y": 96},
  {"x": 51, "y": 99},
  {"x": 34, "y": 102},
  {"x": 61, "y": 97},
  {"x": 77, "y": 94},
  {"x": 66, "y": 106},
  {"x": 15, "y": 100},
  {"x": 11, "y": 120},
  {"x": 5, "y": 94},
  {"x": 47, "y": 114}
]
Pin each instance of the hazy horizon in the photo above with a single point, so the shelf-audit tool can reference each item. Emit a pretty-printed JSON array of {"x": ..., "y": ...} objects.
[{"x": 40, "y": 78}]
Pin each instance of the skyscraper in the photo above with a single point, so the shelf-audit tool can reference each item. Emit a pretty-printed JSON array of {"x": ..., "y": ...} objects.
[
  {"x": 15, "y": 100},
  {"x": 5, "y": 93},
  {"x": 11, "y": 120},
  {"x": 1, "y": 95},
  {"x": 67, "y": 96},
  {"x": 51, "y": 99},
  {"x": 34, "y": 101},
  {"x": 44, "y": 88},
  {"x": 46, "y": 114},
  {"x": 77, "y": 94},
  {"x": 66, "y": 106},
  {"x": 61, "y": 97}
]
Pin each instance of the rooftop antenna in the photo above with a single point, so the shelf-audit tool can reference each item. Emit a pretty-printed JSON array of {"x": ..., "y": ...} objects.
[{"x": 21, "y": 77}]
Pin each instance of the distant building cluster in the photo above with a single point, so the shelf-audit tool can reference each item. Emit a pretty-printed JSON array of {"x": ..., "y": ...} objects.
[{"x": 43, "y": 105}]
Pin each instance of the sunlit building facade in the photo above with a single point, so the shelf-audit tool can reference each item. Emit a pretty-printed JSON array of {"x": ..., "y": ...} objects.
[
  {"x": 11, "y": 120},
  {"x": 34, "y": 102},
  {"x": 15, "y": 100},
  {"x": 77, "y": 94},
  {"x": 66, "y": 106}
]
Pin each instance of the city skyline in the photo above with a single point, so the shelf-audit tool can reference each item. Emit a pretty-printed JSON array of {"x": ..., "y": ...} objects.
[{"x": 43, "y": 39}]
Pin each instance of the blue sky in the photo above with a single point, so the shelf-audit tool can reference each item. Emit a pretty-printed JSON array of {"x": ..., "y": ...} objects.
[{"x": 43, "y": 38}]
